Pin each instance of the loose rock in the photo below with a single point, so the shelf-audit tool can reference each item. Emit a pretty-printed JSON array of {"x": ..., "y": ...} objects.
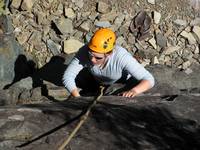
[{"x": 72, "y": 46}]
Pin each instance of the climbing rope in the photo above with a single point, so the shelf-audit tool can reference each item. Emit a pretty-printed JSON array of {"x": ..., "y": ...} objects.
[{"x": 82, "y": 120}]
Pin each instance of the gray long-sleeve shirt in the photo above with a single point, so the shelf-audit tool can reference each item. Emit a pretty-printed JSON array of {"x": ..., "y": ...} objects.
[{"x": 119, "y": 62}]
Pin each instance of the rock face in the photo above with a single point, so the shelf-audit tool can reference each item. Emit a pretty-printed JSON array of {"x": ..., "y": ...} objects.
[
  {"x": 166, "y": 117},
  {"x": 176, "y": 78},
  {"x": 146, "y": 122},
  {"x": 32, "y": 115},
  {"x": 9, "y": 50}
]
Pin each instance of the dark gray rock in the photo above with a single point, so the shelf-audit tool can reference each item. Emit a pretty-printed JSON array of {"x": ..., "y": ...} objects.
[
  {"x": 175, "y": 77},
  {"x": 9, "y": 96},
  {"x": 14, "y": 96},
  {"x": 9, "y": 51},
  {"x": 145, "y": 122},
  {"x": 161, "y": 40},
  {"x": 148, "y": 53}
]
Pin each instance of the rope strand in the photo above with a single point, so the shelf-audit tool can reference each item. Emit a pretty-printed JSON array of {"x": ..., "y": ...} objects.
[{"x": 83, "y": 118}]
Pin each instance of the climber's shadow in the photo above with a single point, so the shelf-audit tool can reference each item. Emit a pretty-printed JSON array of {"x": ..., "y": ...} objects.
[
  {"x": 51, "y": 72},
  {"x": 22, "y": 68}
]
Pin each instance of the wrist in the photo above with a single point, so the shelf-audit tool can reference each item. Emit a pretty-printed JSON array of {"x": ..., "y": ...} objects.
[
  {"x": 75, "y": 93},
  {"x": 134, "y": 91}
]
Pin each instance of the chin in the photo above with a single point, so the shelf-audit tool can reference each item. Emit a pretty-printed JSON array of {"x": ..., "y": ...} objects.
[{"x": 96, "y": 64}]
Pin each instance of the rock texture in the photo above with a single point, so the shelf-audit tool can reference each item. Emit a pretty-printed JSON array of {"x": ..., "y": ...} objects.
[
  {"x": 151, "y": 122},
  {"x": 44, "y": 27},
  {"x": 9, "y": 50},
  {"x": 36, "y": 112}
]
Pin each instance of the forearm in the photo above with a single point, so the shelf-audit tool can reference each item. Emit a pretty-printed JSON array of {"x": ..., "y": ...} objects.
[{"x": 143, "y": 86}]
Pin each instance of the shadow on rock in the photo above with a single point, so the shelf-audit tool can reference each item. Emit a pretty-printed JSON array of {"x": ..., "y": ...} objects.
[
  {"x": 147, "y": 128},
  {"x": 116, "y": 126},
  {"x": 52, "y": 71},
  {"x": 22, "y": 69}
]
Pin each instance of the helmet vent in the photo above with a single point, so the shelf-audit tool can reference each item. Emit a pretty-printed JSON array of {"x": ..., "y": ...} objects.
[{"x": 105, "y": 45}]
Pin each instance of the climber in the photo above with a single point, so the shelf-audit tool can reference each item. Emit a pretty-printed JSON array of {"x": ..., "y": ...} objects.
[{"x": 105, "y": 63}]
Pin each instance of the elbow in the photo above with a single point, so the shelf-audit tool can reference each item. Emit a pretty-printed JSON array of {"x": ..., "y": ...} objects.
[
  {"x": 152, "y": 82},
  {"x": 65, "y": 83},
  {"x": 64, "y": 79},
  {"x": 69, "y": 82}
]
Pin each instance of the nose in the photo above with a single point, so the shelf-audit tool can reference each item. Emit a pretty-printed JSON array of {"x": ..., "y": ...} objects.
[{"x": 93, "y": 60}]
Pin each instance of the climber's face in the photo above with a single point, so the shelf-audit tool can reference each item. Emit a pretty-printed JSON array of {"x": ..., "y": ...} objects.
[{"x": 96, "y": 58}]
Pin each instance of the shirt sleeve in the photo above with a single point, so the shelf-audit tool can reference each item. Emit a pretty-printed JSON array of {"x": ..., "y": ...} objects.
[
  {"x": 135, "y": 69},
  {"x": 70, "y": 74}
]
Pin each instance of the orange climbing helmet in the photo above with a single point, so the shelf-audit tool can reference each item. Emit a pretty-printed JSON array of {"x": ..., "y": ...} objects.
[{"x": 103, "y": 41}]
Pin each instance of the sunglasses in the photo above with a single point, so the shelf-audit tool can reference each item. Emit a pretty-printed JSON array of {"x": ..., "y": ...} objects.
[{"x": 91, "y": 55}]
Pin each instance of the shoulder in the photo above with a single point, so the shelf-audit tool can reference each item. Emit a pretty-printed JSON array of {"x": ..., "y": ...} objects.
[
  {"x": 83, "y": 51},
  {"x": 121, "y": 52},
  {"x": 123, "y": 57},
  {"x": 82, "y": 56}
]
